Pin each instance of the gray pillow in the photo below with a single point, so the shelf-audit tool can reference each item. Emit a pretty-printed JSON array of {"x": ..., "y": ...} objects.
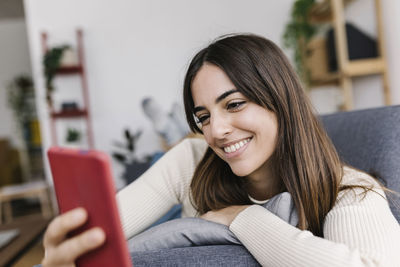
[{"x": 189, "y": 232}]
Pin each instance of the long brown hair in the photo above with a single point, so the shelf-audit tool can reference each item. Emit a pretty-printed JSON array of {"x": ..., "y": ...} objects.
[{"x": 305, "y": 159}]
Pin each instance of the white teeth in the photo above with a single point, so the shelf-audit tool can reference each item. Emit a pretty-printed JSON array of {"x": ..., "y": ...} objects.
[{"x": 234, "y": 147}]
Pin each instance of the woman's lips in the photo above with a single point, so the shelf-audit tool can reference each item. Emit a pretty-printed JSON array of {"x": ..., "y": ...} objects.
[{"x": 236, "y": 148}]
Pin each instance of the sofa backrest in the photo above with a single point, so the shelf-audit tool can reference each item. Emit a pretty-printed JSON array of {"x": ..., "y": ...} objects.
[{"x": 370, "y": 140}]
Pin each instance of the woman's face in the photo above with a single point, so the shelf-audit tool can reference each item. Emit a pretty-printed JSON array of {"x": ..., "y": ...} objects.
[{"x": 240, "y": 132}]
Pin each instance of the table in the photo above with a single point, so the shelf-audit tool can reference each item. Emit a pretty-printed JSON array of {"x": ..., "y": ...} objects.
[{"x": 37, "y": 189}]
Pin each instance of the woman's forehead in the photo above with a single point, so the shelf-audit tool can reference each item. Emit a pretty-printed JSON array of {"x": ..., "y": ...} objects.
[{"x": 210, "y": 83}]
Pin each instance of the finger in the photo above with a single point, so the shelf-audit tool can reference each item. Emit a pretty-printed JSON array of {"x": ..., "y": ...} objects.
[
  {"x": 62, "y": 224},
  {"x": 72, "y": 248}
]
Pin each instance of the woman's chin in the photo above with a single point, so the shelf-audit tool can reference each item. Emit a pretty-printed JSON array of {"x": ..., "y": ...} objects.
[{"x": 241, "y": 172}]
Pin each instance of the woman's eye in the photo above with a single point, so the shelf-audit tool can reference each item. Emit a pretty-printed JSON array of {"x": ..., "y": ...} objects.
[
  {"x": 203, "y": 119},
  {"x": 235, "y": 105}
]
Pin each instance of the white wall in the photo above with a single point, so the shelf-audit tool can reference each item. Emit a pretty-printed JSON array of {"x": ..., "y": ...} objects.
[
  {"x": 140, "y": 48},
  {"x": 391, "y": 22},
  {"x": 14, "y": 60}
]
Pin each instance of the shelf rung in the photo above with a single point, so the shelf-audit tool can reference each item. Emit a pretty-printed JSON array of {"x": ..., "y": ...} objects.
[
  {"x": 331, "y": 78},
  {"x": 69, "y": 70},
  {"x": 361, "y": 67},
  {"x": 69, "y": 114}
]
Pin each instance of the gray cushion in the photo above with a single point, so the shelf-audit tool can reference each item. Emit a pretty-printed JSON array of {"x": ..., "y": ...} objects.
[
  {"x": 370, "y": 140},
  {"x": 188, "y": 232}
]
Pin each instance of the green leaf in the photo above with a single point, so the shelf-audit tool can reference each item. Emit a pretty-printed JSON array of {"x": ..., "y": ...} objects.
[{"x": 299, "y": 28}]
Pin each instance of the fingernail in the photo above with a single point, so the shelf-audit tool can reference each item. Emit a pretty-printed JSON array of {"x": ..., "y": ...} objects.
[
  {"x": 96, "y": 235},
  {"x": 79, "y": 214}
]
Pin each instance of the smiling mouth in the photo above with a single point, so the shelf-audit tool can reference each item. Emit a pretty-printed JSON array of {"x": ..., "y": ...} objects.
[{"x": 234, "y": 147}]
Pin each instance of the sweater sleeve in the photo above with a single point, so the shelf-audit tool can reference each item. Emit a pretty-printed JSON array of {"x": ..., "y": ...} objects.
[
  {"x": 359, "y": 231},
  {"x": 165, "y": 184}
]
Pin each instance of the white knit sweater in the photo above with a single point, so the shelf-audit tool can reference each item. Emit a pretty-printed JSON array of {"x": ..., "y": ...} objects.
[{"x": 358, "y": 231}]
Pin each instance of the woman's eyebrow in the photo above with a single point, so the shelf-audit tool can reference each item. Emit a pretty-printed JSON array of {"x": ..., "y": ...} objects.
[
  {"x": 224, "y": 95},
  {"x": 219, "y": 99},
  {"x": 199, "y": 108}
]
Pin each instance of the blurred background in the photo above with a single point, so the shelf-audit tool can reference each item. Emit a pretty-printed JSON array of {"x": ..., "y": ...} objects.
[{"x": 108, "y": 75}]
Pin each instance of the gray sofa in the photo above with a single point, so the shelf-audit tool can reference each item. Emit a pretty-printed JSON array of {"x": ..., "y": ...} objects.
[{"x": 367, "y": 139}]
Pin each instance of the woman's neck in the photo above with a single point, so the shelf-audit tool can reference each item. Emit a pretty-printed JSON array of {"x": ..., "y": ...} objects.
[
  {"x": 262, "y": 190},
  {"x": 264, "y": 183}
]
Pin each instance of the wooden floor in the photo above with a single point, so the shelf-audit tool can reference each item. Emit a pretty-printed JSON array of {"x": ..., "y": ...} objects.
[
  {"x": 32, "y": 257},
  {"x": 33, "y": 253}
]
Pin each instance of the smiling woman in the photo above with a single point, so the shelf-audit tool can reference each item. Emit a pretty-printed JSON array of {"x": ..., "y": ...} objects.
[
  {"x": 243, "y": 88},
  {"x": 261, "y": 139}
]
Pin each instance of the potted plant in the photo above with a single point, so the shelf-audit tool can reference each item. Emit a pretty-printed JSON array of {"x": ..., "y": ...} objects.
[
  {"x": 51, "y": 63},
  {"x": 73, "y": 135},
  {"x": 21, "y": 98},
  {"x": 126, "y": 156},
  {"x": 297, "y": 34}
]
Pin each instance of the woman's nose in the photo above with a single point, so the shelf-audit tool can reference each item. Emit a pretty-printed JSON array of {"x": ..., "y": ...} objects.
[{"x": 220, "y": 126}]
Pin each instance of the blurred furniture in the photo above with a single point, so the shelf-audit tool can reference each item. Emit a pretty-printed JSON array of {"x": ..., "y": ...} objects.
[
  {"x": 333, "y": 11},
  {"x": 38, "y": 189},
  {"x": 74, "y": 113},
  {"x": 34, "y": 148},
  {"x": 367, "y": 139},
  {"x": 10, "y": 165},
  {"x": 30, "y": 228}
]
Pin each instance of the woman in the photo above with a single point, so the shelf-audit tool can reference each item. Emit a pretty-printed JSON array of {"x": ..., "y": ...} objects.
[{"x": 261, "y": 139}]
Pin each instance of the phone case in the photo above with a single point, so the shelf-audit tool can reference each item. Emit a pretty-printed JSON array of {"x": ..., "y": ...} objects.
[{"x": 83, "y": 179}]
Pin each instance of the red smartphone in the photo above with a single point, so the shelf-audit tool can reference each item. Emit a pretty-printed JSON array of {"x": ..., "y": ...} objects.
[{"x": 82, "y": 178}]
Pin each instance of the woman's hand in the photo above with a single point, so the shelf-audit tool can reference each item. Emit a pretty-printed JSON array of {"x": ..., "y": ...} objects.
[
  {"x": 60, "y": 251},
  {"x": 225, "y": 215}
]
